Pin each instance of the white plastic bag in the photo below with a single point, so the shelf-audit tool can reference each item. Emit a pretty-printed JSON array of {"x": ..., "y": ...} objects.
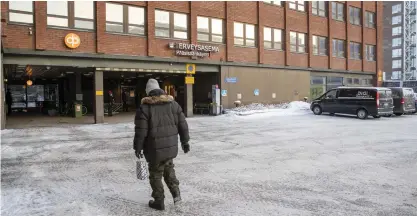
[{"x": 142, "y": 170}]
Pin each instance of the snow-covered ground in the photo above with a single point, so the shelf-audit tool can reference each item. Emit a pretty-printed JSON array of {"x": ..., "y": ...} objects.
[{"x": 261, "y": 164}]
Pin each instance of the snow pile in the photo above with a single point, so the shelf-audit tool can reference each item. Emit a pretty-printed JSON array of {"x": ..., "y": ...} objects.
[{"x": 294, "y": 107}]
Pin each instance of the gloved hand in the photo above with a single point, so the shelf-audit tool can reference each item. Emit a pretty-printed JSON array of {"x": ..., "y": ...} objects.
[
  {"x": 139, "y": 154},
  {"x": 185, "y": 147}
]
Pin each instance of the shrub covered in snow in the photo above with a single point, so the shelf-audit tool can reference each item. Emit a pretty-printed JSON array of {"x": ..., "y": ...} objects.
[{"x": 262, "y": 108}]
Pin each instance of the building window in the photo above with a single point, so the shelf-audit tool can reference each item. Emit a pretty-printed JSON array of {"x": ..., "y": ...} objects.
[
  {"x": 348, "y": 81},
  {"x": 297, "y": 5},
  {"x": 298, "y": 42},
  {"x": 319, "y": 45},
  {"x": 338, "y": 11},
  {"x": 396, "y": 9},
  {"x": 21, "y": 12},
  {"x": 396, "y": 53},
  {"x": 356, "y": 81},
  {"x": 355, "y": 15},
  {"x": 370, "y": 52},
  {"x": 319, "y": 8},
  {"x": 273, "y": 38},
  {"x": 72, "y": 14},
  {"x": 396, "y": 42},
  {"x": 171, "y": 25},
  {"x": 396, "y": 64},
  {"x": 396, "y": 20},
  {"x": 210, "y": 29},
  {"x": 279, "y": 3},
  {"x": 125, "y": 19},
  {"x": 244, "y": 34},
  {"x": 370, "y": 19},
  {"x": 338, "y": 48},
  {"x": 396, "y": 75},
  {"x": 396, "y": 31},
  {"x": 355, "y": 50}
]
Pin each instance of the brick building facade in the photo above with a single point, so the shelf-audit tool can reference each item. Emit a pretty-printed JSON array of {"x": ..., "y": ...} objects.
[{"x": 282, "y": 49}]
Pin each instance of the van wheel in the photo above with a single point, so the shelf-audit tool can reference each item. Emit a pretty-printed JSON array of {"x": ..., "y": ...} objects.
[
  {"x": 362, "y": 114},
  {"x": 317, "y": 110},
  {"x": 377, "y": 116},
  {"x": 398, "y": 114}
]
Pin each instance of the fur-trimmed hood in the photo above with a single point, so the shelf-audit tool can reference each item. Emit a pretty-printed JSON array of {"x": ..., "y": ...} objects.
[{"x": 157, "y": 99}]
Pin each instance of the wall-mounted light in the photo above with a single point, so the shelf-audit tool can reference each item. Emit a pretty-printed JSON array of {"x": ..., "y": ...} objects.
[
  {"x": 48, "y": 68},
  {"x": 29, "y": 82},
  {"x": 30, "y": 31}
]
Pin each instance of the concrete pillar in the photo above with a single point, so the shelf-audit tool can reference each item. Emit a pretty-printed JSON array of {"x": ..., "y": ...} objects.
[
  {"x": 188, "y": 100},
  {"x": 98, "y": 97},
  {"x": 2, "y": 97}
]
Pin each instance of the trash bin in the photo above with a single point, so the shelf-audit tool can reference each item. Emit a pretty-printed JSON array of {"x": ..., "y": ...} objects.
[{"x": 78, "y": 110}]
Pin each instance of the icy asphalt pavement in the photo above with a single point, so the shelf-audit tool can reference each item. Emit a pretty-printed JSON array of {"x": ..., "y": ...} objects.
[{"x": 255, "y": 165}]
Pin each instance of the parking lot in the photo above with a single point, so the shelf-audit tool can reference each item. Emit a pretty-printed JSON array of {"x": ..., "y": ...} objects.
[{"x": 261, "y": 164}]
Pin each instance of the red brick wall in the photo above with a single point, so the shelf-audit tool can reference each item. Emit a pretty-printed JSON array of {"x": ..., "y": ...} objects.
[
  {"x": 339, "y": 63},
  {"x": 258, "y": 13},
  {"x": 274, "y": 57},
  {"x": 319, "y": 61}
]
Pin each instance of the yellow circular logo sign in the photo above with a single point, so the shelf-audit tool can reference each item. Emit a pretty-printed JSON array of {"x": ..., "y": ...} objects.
[{"x": 72, "y": 40}]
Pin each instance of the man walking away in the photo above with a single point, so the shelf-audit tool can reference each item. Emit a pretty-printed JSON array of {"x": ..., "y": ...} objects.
[
  {"x": 158, "y": 122},
  {"x": 9, "y": 101}
]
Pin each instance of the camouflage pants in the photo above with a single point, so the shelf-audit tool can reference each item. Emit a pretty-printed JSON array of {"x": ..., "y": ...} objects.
[{"x": 165, "y": 169}]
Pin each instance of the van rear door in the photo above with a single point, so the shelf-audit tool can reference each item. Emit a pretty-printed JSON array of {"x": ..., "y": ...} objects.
[
  {"x": 385, "y": 101},
  {"x": 409, "y": 102}
]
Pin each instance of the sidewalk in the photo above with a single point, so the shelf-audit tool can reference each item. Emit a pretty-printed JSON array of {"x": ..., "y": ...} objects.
[{"x": 24, "y": 120}]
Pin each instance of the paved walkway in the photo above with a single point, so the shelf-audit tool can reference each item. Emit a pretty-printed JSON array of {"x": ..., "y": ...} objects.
[{"x": 254, "y": 165}]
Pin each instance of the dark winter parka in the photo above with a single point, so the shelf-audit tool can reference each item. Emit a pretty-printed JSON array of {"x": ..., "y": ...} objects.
[{"x": 158, "y": 122}]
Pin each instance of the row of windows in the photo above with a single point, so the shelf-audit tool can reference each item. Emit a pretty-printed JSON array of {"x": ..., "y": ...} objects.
[
  {"x": 338, "y": 81},
  {"x": 130, "y": 19},
  {"x": 320, "y": 8}
]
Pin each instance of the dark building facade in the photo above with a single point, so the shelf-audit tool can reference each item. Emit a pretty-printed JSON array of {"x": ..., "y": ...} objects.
[
  {"x": 267, "y": 52},
  {"x": 400, "y": 43}
]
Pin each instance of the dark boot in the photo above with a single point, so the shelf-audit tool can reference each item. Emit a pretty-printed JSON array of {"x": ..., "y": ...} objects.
[
  {"x": 157, "y": 204},
  {"x": 177, "y": 196}
]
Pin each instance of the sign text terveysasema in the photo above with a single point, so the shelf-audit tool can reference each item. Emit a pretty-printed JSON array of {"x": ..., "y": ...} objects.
[{"x": 193, "y": 50}]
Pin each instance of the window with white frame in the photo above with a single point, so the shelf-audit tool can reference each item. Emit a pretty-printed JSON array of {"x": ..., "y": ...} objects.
[
  {"x": 297, "y": 42},
  {"x": 355, "y": 50},
  {"x": 296, "y": 5},
  {"x": 21, "y": 12},
  {"x": 210, "y": 29},
  {"x": 279, "y": 3},
  {"x": 273, "y": 38},
  {"x": 396, "y": 20},
  {"x": 396, "y": 75},
  {"x": 396, "y": 8},
  {"x": 319, "y": 8},
  {"x": 125, "y": 19},
  {"x": 319, "y": 45},
  {"x": 396, "y": 64},
  {"x": 338, "y": 11},
  {"x": 396, "y": 31},
  {"x": 396, "y": 53},
  {"x": 396, "y": 42},
  {"x": 370, "y": 19},
  {"x": 71, "y": 14},
  {"x": 171, "y": 24},
  {"x": 339, "y": 48},
  {"x": 244, "y": 34},
  {"x": 370, "y": 52},
  {"x": 355, "y": 15}
]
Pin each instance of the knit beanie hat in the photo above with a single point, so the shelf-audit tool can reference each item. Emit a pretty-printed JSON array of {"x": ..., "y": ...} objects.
[{"x": 151, "y": 85}]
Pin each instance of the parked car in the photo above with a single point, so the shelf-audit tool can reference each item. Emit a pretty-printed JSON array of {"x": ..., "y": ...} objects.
[
  {"x": 359, "y": 101},
  {"x": 404, "y": 101}
]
